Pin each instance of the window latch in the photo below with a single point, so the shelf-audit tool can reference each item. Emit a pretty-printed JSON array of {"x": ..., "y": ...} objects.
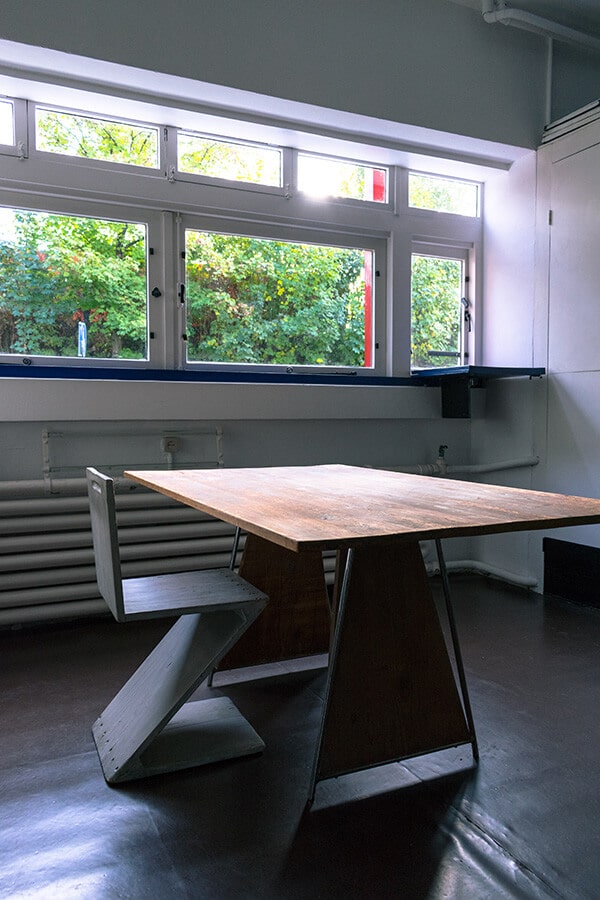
[{"x": 467, "y": 315}]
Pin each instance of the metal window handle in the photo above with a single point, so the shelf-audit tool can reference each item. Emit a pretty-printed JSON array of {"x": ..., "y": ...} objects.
[{"x": 467, "y": 315}]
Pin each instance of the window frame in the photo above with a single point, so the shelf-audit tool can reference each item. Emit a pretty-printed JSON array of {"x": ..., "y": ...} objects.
[
  {"x": 387, "y": 204},
  {"x": 463, "y": 253},
  {"x": 452, "y": 178},
  {"x": 91, "y": 162},
  {"x": 300, "y": 234},
  {"x": 19, "y": 147},
  {"x": 88, "y": 187},
  {"x": 176, "y": 174},
  {"x": 155, "y": 276}
]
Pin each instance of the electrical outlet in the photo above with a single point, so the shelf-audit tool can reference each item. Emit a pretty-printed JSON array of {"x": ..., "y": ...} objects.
[{"x": 170, "y": 444}]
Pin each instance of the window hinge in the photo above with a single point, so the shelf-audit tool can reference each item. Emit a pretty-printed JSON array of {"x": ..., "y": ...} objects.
[{"x": 549, "y": 217}]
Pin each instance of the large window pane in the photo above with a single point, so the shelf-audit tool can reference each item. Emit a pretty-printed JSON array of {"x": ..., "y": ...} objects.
[
  {"x": 7, "y": 128},
  {"x": 72, "y": 286},
  {"x": 273, "y": 302},
  {"x": 88, "y": 137},
  {"x": 437, "y": 289},
  {"x": 443, "y": 194},
  {"x": 323, "y": 177},
  {"x": 198, "y": 155}
]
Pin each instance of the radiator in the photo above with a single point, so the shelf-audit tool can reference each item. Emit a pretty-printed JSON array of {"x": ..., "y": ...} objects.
[{"x": 46, "y": 558}]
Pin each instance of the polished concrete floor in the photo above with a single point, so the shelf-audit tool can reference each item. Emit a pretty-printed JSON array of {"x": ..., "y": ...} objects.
[{"x": 525, "y": 823}]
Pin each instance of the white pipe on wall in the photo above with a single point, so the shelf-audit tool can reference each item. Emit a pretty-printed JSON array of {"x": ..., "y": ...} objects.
[
  {"x": 474, "y": 565},
  {"x": 441, "y": 468},
  {"x": 519, "y": 18}
]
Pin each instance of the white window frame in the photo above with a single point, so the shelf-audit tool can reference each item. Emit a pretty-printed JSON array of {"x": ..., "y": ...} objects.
[
  {"x": 155, "y": 321},
  {"x": 90, "y": 162},
  {"x": 19, "y": 147},
  {"x": 293, "y": 233},
  {"x": 463, "y": 253},
  {"x": 443, "y": 212},
  {"x": 168, "y": 200},
  {"x": 175, "y": 174},
  {"x": 347, "y": 201}
]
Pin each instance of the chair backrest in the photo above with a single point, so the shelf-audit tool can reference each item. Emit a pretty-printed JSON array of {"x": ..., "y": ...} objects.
[{"x": 106, "y": 541}]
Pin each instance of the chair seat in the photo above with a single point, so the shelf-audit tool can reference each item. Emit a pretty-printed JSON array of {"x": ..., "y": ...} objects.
[{"x": 156, "y": 596}]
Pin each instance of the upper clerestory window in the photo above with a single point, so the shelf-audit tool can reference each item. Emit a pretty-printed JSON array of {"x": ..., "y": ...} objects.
[
  {"x": 212, "y": 157},
  {"x": 447, "y": 195},
  {"x": 89, "y": 137},
  {"x": 326, "y": 177}
]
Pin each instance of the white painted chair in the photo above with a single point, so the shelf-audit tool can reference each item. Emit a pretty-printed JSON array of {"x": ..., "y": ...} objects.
[{"x": 149, "y": 728}]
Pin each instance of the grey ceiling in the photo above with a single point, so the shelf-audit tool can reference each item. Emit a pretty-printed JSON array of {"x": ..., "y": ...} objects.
[{"x": 582, "y": 15}]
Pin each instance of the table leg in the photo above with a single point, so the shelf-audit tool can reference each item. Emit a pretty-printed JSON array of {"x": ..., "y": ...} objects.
[
  {"x": 296, "y": 621},
  {"x": 391, "y": 690}
]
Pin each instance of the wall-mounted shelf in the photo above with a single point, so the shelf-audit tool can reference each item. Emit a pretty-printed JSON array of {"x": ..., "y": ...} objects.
[{"x": 456, "y": 384}]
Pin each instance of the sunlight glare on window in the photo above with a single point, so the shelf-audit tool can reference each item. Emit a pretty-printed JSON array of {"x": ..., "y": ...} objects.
[
  {"x": 443, "y": 194},
  {"x": 88, "y": 137},
  {"x": 322, "y": 177},
  {"x": 254, "y": 163},
  {"x": 7, "y": 127}
]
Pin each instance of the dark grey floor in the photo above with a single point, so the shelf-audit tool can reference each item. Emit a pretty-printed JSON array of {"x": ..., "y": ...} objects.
[{"x": 524, "y": 824}]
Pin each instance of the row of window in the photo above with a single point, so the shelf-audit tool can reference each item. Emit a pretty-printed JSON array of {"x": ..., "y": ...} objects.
[{"x": 238, "y": 287}]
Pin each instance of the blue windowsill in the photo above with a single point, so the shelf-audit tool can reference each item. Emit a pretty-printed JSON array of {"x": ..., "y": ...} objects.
[
  {"x": 477, "y": 375},
  {"x": 85, "y": 373}
]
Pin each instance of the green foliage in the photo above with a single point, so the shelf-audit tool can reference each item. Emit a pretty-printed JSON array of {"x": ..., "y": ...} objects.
[
  {"x": 259, "y": 301},
  {"x": 57, "y": 271},
  {"x": 248, "y": 300},
  {"x": 220, "y": 159},
  {"x": 93, "y": 138},
  {"x": 442, "y": 194},
  {"x": 436, "y": 307}
]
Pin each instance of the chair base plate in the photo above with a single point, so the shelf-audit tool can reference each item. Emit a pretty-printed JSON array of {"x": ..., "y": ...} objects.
[{"x": 201, "y": 732}]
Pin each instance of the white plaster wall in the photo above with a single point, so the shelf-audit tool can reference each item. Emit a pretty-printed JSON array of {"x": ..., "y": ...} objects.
[
  {"x": 508, "y": 428},
  {"x": 429, "y": 63},
  {"x": 509, "y": 257},
  {"x": 245, "y": 443}
]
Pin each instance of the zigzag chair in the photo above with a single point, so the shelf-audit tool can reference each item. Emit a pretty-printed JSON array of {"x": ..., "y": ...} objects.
[{"x": 149, "y": 728}]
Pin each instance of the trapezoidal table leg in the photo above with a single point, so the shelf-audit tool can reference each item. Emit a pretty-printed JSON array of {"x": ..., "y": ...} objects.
[
  {"x": 297, "y": 619},
  {"x": 391, "y": 692}
]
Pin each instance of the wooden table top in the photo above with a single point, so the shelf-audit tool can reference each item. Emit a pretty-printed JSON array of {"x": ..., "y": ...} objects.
[{"x": 321, "y": 507}]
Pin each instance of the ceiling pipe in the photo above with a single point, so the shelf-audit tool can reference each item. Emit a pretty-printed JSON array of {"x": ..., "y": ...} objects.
[{"x": 498, "y": 12}]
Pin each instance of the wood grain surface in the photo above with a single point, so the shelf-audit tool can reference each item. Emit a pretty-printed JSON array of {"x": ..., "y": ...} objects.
[{"x": 321, "y": 507}]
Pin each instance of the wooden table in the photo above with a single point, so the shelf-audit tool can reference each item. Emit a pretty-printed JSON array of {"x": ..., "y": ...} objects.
[{"x": 391, "y": 691}]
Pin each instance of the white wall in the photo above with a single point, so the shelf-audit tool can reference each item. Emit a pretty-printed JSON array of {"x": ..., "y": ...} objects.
[
  {"x": 429, "y": 63},
  {"x": 567, "y": 325},
  {"x": 550, "y": 320},
  {"x": 512, "y": 406}
]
